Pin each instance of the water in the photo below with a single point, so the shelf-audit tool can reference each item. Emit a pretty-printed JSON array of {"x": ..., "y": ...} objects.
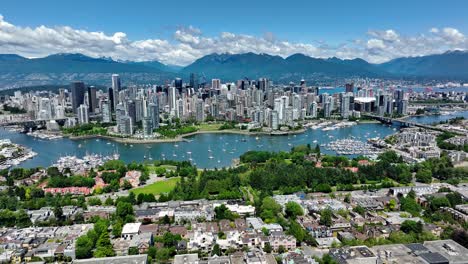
[
  {"x": 223, "y": 148},
  {"x": 438, "y": 118}
]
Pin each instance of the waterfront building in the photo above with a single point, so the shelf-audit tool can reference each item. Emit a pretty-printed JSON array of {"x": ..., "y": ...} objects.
[
  {"x": 345, "y": 99},
  {"x": 106, "y": 112},
  {"x": 147, "y": 125},
  {"x": 83, "y": 115}
]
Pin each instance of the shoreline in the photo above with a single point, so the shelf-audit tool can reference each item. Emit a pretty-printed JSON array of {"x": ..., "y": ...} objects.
[{"x": 184, "y": 136}]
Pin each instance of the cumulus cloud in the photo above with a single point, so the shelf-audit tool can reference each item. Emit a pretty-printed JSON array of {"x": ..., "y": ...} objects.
[{"x": 190, "y": 43}]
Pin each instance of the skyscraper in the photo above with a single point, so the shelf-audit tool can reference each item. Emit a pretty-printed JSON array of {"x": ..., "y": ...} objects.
[
  {"x": 77, "y": 95},
  {"x": 349, "y": 87},
  {"x": 344, "y": 104},
  {"x": 92, "y": 99},
  {"x": 131, "y": 111},
  {"x": 215, "y": 83},
  {"x": 116, "y": 89},
  {"x": 193, "y": 80},
  {"x": 153, "y": 110},
  {"x": 106, "y": 112},
  {"x": 83, "y": 116}
]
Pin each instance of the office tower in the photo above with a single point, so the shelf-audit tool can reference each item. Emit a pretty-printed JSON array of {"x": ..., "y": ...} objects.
[
  {"x": 92, "y": 99},
  {"x": 328, "y": 106},
  {"x": 263, "y": 84},
  {"x": 349, "y": 88},
  {"x": 106, "y": 112},
  {"x": 313, "y": 110},
  {"x": 403, "y": 107},
  {"x": 83, "y": 116},
  {"x": 200, "y": 115},
  {"x": 115, "y": 89},
  {"x": 344, "y": 104},
  {"x": 131, "y": 111},
  {"x": 147, "y": 125},
  {"x": 77, "y": 95},
  {"x": 153, "y": 110},
  {"x": 215, "y": 83},
  {"x": 110, "y": 94},
  {"x": 178, "y": 84},
  {"x": 193, "y": 80},
  {"x": 274, "y": 120}
]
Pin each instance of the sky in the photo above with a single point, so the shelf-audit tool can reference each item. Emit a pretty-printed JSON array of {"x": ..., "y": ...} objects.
[{"x": 179, "y": 32}]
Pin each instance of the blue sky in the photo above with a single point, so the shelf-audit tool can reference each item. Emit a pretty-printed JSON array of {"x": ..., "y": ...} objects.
[{"x": 325, "y": 25}]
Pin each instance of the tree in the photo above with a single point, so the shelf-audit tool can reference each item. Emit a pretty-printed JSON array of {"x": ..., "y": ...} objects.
[
  {"x": 293, "y": 209},
  {"x": 222, "y": 212},
  {"x": 83, "y": 247},
  {"x": 269, "y": 209},
  {"x": 104, "y": 246},
  {"x": 133, "y": 251},
  {"x": 424, "y": 176},
  {"x": 297, "y": 231},
  {"x": 409, "y": 226},
  {"x": 22, "y": 219},
  {"x": 326, "y": 217},
  {"x": 124, "y": 210},
  {"x": 359, "y": 209},
  {"x": 454, "y": 199},
  {"x": 267, "y": 248},
  {"x": 126, "y": 185},
  {"x": 117, "y": 228},
  {"x": 216, "y": 250},
  {"x": 58, "y": 213}
]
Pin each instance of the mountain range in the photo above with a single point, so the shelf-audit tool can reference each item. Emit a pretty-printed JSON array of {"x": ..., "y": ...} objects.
[{"x": 18, "y": 71}]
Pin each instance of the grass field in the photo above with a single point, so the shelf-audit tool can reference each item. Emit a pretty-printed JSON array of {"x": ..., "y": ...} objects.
[
  {"x": 157, "y": 187},
  {"x": 209, "y": 127}
]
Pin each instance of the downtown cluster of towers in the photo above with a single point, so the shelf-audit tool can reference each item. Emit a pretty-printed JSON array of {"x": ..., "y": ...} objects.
[{"x": 259, "y": 103}]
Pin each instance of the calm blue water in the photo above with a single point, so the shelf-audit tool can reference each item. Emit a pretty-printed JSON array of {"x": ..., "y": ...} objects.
[
  {"x": 224, "y": 147},
  {"x": 438, "y": 118}
]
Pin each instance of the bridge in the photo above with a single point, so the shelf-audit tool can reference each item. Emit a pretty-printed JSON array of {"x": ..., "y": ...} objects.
[
  {"x": 27, "y": 124},
  {"x": 404, "y": 122}
]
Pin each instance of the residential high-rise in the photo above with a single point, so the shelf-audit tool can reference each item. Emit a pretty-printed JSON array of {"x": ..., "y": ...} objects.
[
  {"x": 345, "y": 99},
  {"x": 115, "y": 89},
  {"x": 274, "y": 120},
  {"x": 200, "y": 115},
  {"x": 106, "y": 112},
  {"x": 349, "y": 87},
  {"x": 313, "y": 110},
  {"x": 327, "y": 106},
  {"x": 172, "y": 97},
  {"x": 131, "y": 111},
  {"x": 77, "y": 95},
  {"x": 83, "y": 115},
  {"x": 153, "y": 110},
  {"x": 147, "y": 125},
  {"x": 215, "y": 83}
]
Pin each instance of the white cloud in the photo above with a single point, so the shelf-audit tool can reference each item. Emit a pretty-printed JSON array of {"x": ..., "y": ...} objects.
[{"x": 189, "y": 43}]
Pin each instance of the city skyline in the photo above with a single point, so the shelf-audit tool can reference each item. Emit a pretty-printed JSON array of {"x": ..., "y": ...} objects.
[{"x": 174, "y": 35}]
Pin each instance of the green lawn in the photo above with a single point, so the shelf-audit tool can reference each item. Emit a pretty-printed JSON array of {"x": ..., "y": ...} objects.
[
  {"x": 210, "y": 127},
  {"x": 157, "y": 187}
]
